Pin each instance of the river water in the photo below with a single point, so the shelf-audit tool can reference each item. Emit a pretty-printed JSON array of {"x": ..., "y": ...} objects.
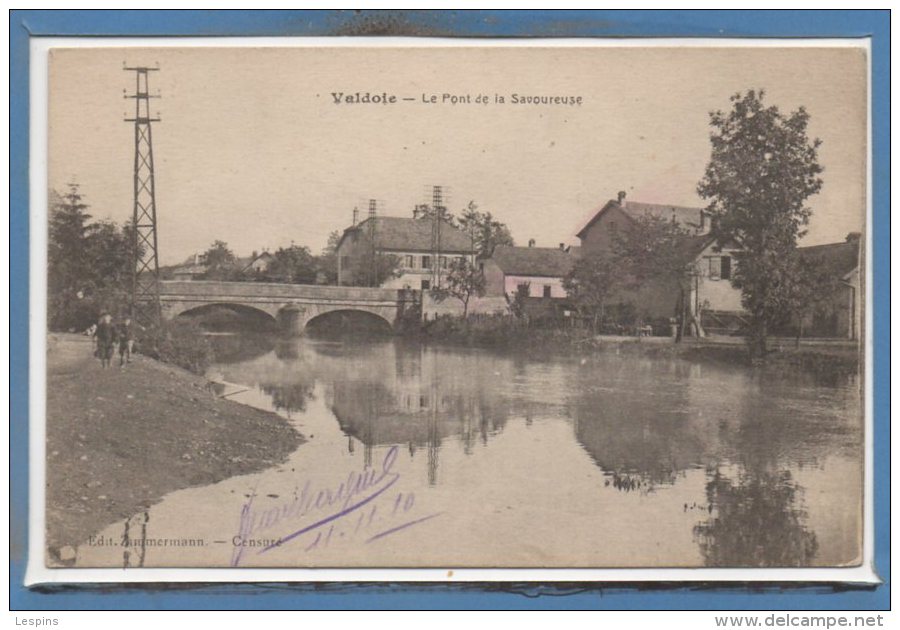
[{"x": 428, "y": 456}]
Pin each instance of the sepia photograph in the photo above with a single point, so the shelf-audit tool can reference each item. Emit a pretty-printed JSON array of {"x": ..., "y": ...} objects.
[{"x": 457, "y": 306}]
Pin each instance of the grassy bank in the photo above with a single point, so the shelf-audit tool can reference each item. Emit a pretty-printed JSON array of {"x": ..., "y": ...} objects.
[
  {"x": 120, "y": 439},
  {"x": 828, "y": 358}
]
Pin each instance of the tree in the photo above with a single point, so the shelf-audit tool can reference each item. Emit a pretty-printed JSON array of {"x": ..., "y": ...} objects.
[
  {"x": 762, "y": 169},
  {"x": 484, "y": 231},
  {"x": 592, "y": 280},
  {"x": 655, "y": 250},
  {"x": 516, "y": 303},
  {"x": 368, "y": 267},
  {"x": 219, "y": 261},
  {"x": 426, "y": 211},
  {"x": 294, "y": 264},
  {"x": 88, "y": 263},
  {"x": 463, "y": 281},
  {"x": 326, "y": 262},
  {"x": 809, "y": 284}
]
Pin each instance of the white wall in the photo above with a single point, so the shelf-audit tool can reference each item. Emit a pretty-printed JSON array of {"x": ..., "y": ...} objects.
[{"x": 537, "y": 285}]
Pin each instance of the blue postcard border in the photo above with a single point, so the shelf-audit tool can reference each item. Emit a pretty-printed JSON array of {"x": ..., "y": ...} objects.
[{"x": 25, "y": 24}]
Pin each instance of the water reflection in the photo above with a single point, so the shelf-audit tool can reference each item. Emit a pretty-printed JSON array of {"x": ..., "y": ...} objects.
[
  {"x": 756, "y": 520},
  {"x": 750, "y": 468}
]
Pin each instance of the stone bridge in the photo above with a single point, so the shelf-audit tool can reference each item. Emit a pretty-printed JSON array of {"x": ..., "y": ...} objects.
[{"x": 291, "y": 305}]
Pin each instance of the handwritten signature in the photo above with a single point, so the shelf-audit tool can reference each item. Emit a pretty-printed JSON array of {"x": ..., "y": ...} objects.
[{"x": 360, "y": 490}]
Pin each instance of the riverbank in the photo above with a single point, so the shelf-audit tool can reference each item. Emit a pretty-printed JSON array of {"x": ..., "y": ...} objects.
[
  {"x": 120, "y": 439},
  {"x": 822, "y": 357}
]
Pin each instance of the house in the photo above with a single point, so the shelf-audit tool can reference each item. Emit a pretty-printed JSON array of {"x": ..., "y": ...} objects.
[
  {"x": 193, "y": 268},
  {"x": 710, "y": 290},
  {"x": 541, "y": 269},
  {"x": 255, "y": 264},
  {"x": 839, "y": 313},
  {"x": 407, "y": 238}
]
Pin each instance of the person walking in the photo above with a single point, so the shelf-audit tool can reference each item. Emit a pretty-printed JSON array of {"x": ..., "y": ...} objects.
[
  {"x": 105, "y": 334},
  {"x": 126, "y": 341}
]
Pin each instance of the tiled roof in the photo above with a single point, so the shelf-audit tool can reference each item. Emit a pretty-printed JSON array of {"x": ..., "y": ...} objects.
[
  {"x": 549, "y": 262},
  {"x": 191, "y": 269},
  {"x": 684, "y": 215},
  {"x": 407, "y": 233},
  {"x": 841, "y": 257},
  {"x": 687, "y": 216},
  {"x": 693, "y": 246}
]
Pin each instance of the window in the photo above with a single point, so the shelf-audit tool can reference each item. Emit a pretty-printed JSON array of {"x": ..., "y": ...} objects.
[
  {"x": 460, "y": 260},
  {"x": 426, "y": 262},
  {"x": 547, "y": 290},
  {"x": 345, "y": 262},
  {"x": 426, "y": 284},
  {"x": 524, "y": 287},
  {"x": 408, "y": 261},
  {"x": 443, "y": 260},
  {"x": 612, "y": 227},
  {"x": 481, "y": 267},
  {"x": 717, "y": 267},
  {"x": 726, "y": 268}
]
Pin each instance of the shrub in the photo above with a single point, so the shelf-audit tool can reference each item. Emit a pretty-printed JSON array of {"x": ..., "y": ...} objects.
[{"x": 179, "y": 342}]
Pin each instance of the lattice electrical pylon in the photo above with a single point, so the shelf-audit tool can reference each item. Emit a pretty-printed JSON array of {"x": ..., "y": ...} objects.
[
  {"x": 145, "y": 307},
  {"x": 438, "y": 211}
]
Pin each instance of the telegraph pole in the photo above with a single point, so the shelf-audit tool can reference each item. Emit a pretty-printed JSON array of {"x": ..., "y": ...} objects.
[
  {"x": 373, "y": 253},
  {"x": 437, "y": 215},
  {"x": 145, "y": 307}
]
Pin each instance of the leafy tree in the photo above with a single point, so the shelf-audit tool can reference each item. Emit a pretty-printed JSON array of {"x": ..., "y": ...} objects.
[
  {"x": 594, "y": 278},
  {"x": 484, "y": 230},
  {"x": 463, "y": 281},
  {"x": 369, "y": 267},
  {"x": 763, "y": 167},
  {"x": 654, "y": 250},
  {"x": 294, "y": 264},
  {"x": 326, "y": 262},
  {"x": 220, "y": 262},
  {"x": 426, "y": 211},
  {"x": 809, "y": 284},
  {"x": 516, "y": 303}
]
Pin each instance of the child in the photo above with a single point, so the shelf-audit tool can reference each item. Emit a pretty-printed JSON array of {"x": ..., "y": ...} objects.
[{"x": 126, "y": 341}]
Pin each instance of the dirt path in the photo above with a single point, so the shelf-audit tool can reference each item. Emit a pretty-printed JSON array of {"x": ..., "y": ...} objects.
[{"x": 120, "y": 439}]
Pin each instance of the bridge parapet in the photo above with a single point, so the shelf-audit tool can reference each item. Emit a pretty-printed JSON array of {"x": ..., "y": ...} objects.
[{"x": 205, "y": 288}]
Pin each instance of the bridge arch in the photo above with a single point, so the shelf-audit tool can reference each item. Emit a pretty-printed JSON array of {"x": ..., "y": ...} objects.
[
  {"x": 217, "y": 314},
  {"x": 345, "y": 319}
]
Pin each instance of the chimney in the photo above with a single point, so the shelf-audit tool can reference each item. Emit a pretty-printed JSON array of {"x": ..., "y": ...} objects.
[
  {"x": 621, "y": 198},
  {"x": 531, "y": 242},
  {"x": 562, "y": 246},
  {"x": 355, "y": 216}
]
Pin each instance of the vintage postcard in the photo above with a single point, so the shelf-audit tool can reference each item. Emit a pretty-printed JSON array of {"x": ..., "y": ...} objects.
[{"x": 477, "y": 306}]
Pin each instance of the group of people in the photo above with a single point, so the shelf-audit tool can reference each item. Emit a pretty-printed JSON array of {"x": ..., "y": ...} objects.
[{"x": 107, "y": 335}]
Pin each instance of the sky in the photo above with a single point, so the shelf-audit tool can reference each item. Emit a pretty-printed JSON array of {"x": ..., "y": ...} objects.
[{"x": 253, "y": 150}]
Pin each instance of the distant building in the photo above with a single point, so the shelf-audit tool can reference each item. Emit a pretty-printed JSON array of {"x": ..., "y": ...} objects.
[
  {"x": 541, "y": 269},
  {"x": 193, "y": 268},
  {"x": 410, "y": 240},
  {"x": 257, "y": 263}
]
